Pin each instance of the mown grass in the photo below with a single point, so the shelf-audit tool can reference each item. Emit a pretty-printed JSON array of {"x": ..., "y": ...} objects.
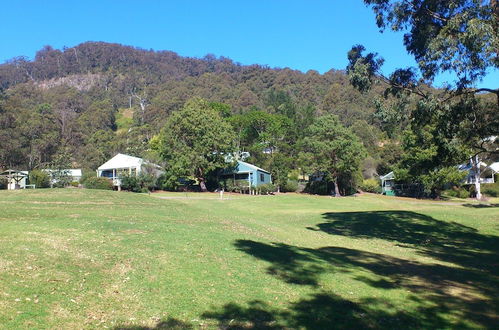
[{"x": 75, "y": 258}]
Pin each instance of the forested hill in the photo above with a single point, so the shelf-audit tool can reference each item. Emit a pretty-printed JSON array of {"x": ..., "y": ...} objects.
[{"x": 93, "y": 100}]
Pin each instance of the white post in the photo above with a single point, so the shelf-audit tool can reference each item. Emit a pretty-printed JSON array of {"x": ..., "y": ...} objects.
[
  {"x": 477, "y": 178},
  {"x": 221, "y": 194}
]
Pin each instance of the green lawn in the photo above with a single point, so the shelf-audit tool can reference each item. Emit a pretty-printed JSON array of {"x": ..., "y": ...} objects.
[{"x": 75, "y": 258}]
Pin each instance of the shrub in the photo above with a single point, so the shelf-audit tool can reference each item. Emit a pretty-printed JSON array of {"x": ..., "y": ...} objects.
[
  {"x": 168, "y": 181},
  {"x": 87, "y": 174},
  {"x": 39, "y": 178},
  {"x": 463, "y": 193},
  {"x": 370, "y": 185},
  {"x": 317, "y": 188},
  {"x": 138, "y": 183},
  {"x": 456, "y": 192},
  {"x": 266, "y": 189},
  {"x": 3, "y": 183},
  {"x": 98, "y": 183},
  {"x": 491, "y": 189},
  {"x": 236, "y": 186},
  {"x": 290, "y": 186},
  {"x": 60, "y": 178}
]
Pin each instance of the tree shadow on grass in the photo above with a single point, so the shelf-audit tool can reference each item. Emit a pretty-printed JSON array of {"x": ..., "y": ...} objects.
[
  {"x": 317, "y": 311},
  {"x": 437, "y": 289},
  {"x": 170, "y": 323},
  {"x": 462, "y": 289},
  {"x": 445, "y": 241},
  {"x": 480, "y": 206}
]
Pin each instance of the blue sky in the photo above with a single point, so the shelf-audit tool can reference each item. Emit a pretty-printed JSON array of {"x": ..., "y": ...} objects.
[{"x": 301, "y": 35}]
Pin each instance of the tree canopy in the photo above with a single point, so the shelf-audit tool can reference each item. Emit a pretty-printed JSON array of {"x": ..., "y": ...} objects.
[
  {"x": 195, "y": 141},
  {"x": 456, "y": 36},
  {"x": 332, "y": 150}
]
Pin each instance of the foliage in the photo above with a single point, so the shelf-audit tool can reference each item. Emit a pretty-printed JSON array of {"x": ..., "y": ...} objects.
[
  {"x": 3, "y": 183},
  {"x": 439, "y": 34},
  {"x": 290, "y": 186},
  {"x": 41, "y": 179},
  {"x": 370, "y": 185},
  {"x": 142, "y": 182},
  {"x": 456, "y": 192},
  {"x": 195, "y": 140},
  {"x": 98, "y": 183},
  {"x": 266, "y": 189},
  {"x": 96, "y": 99},
  {"x": 458, "y": 37},
  {"x": 317, "y": 188},
  {"x": 60, "y": 176},
  {"x": 237, "y": 186},
  {"x": 168, "y": 181},
  {"x": 491, "y": 189},
  {"x": 430, "y": 160},
  {"x": 333, "y": 150},
  {"x": 87, "y": 173}
]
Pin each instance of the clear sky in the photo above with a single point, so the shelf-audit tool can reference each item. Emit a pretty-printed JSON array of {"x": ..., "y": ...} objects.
[{"x": 301, "y": 35}]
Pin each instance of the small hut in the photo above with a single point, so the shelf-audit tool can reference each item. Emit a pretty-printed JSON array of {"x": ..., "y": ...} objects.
[
  {"x": 15, "y": 179},
  {"x": 388, "y": 184},
  {"x": 246, "y": 175}
]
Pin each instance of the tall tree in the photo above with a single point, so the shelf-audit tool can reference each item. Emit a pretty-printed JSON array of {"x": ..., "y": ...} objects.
[
  {"x": 195, "y": 141},
  {"x": 332, "y": 149},
  {"x": 456, "y": 36}
]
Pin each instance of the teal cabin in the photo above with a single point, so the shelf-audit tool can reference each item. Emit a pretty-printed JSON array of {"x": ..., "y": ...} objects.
[
  {"x": 246, "y": 175},
  {"x": 388, "y": 184}
]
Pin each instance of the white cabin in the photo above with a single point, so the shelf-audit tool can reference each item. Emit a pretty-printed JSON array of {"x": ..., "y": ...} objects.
[{"x": 119, "y": 165}]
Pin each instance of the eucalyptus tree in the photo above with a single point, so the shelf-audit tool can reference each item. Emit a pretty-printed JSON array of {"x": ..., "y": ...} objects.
[
  {"x": 195, "y": 140},
  {"x": 332, "y": 150},
  {"x": 460, "y": 37}
]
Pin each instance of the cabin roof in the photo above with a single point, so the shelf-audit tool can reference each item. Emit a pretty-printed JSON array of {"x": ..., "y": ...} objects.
[
  {"x": 252, "y": 166},
  {"x": 122, "y": 161}
]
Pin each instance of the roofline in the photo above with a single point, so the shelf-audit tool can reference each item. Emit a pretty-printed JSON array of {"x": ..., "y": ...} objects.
[{"x": 253, "y": 166}]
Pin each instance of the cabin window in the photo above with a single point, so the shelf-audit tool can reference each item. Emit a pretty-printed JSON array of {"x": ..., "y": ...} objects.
[
  {"x": 243, "y": 176},
  {"x": 262, "y": 177}
]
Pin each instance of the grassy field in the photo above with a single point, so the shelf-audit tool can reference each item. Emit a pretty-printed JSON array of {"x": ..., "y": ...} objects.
[{"x": 75, "y": 258}]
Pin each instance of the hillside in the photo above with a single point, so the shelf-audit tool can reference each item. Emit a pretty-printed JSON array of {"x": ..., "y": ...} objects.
[{"x": 71, "y": 101}]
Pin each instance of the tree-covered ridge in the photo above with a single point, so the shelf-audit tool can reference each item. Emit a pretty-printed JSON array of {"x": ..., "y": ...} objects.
[{"x": 96, "y": 99}]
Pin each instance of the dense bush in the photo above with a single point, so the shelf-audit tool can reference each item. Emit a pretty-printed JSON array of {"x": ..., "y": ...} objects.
[
  {"x": 138, "y": 183},
  {"x": 236, "y": 186},
  {"x": 317, "y": 188},
  {"x": 3, "y": 183},
  {"x": 98, "y": 183},
  {"x": 456, "y": 192},
  {"x": 39, "y": 178},
  {"x": 87, "y": 174},
  {"x": 290, "y": 186},
  {"x": 266, "y": 189},
  {"x": 491, "y": 189},
  {"x": 370, "y": 185}
]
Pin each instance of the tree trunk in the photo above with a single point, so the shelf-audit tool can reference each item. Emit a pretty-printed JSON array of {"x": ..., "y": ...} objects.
[
  {"x": 477, "y": 178},
  {"x": 202, "y": 185},
  {"x": 336, "y": 188}
]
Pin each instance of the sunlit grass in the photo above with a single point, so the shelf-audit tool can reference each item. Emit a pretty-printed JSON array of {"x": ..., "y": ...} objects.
[{"x": 73, "y": 258}]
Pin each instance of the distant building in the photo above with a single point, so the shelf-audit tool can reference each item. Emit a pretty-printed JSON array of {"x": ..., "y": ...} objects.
[
  {"x": 15, "y": 179},
  {"x": 73, "y": 174},
  {"x": 122, "y": 164},
  {"x": 487, "y": 172},
  {"x": 388, "y": 184},
  {"x": 246, "y": 174}
]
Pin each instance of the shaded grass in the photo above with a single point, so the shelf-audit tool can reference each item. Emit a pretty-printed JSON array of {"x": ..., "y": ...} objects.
[{"x": 79, "y": 258}]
